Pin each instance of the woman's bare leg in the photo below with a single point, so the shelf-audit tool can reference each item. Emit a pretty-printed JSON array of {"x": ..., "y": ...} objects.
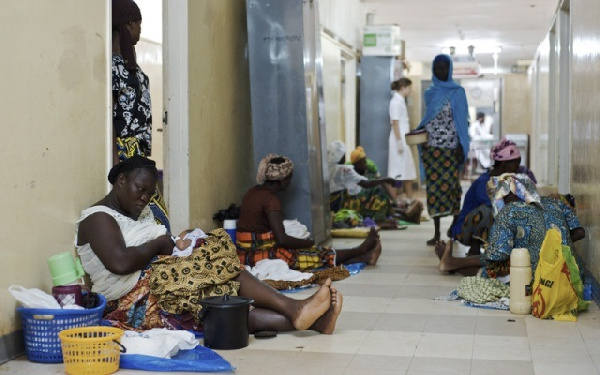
[
  {"x": 467, "y": 266},
  {"x": 408, "y": 188},
  {"x": 475, "y": 248},
  {"x": 391, "y": 190},
  {"x": 436, "y": 235},
  {"x": 267, "y": 320},
  {"x": 370, "y": 257},
  {"x": 301, "y": 313}
]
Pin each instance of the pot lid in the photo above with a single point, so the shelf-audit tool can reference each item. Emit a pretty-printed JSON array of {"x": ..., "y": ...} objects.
[{"x": 225, "y": 301}]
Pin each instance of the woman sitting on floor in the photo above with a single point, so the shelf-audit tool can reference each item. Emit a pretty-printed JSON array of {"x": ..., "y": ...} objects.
[
  {"x": 475, "y": 219},
  {"x": 126, "y": 253},
  {"x": 350, "y": 190},
  {"x": 521, "y": 220},
  {"x": 261, "y": 233},
  {"x": 378, "y": 202}
]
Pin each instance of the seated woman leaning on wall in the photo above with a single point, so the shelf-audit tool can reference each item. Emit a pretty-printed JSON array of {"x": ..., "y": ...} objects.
[
  {"x": 521, "y": 220},
  {"x": 475, "y": 219},
  {"x": 127, "y": 255},
  {"x": 261, "y": 233}
]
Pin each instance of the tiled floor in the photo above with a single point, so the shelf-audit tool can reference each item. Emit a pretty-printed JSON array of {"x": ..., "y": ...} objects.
[{"x": 391, "y": 324}]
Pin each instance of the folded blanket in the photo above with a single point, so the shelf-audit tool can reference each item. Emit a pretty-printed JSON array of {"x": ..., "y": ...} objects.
[{"x": 482, "y": 290}]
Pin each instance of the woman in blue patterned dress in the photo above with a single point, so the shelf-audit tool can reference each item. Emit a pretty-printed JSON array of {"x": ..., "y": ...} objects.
[
  {"x": 521, "y": 220},
  {"x": 446, "y": 121}
]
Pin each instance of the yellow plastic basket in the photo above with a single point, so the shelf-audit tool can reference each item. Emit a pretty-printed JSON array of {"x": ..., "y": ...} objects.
[{"x": 91, "y": 350}]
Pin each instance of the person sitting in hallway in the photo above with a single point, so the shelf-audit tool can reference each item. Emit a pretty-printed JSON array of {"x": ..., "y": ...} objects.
[
  {"x": 377, "y": 202},
  {"x": 522, "y": 219},
  {"x": 261, "y": 234},
  {"x": 351, "y": 190},
  {"x": 128, "y": 257},
  {"x": 475, "y": 219}
]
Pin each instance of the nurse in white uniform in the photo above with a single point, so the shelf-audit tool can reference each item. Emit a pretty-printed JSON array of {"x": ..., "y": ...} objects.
[{"x": 401, "y": 165}]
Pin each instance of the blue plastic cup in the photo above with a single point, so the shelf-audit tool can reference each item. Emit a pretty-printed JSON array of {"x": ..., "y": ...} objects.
[{"x": 230, "y": 227}]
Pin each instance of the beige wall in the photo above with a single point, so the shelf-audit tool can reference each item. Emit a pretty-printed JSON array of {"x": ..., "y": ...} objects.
[
  {"x": 516, "y": 105},
  {"x": 220, "y": 134},
  {"x": 585, "y": 180},
  {"x": 54, "y": 106},
  {"x": 332, "y": 92}
]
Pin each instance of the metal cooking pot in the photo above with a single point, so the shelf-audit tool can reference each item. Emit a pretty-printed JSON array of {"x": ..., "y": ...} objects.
[{"x": 225, "y": 321}]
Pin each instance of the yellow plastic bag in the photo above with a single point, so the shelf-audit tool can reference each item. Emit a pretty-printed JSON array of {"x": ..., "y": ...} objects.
[{"x": 553, "y": 295}]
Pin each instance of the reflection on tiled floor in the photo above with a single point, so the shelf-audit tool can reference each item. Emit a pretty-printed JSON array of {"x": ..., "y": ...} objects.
[{"x": 391, "y": 324}]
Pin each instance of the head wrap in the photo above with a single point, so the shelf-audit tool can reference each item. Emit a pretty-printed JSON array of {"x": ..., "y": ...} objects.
[
  {"x": 124, "y": 11},
  {"x": 335, "y": 152},
  {"x": 528, "y": 172},
  {"x": 267, "y": 170},
  {"x": 130, "y": 164},
  {"x": 518, "y": 184},
  {"x": 357, "y": 154},
  {"x": 505, "y": 150}
]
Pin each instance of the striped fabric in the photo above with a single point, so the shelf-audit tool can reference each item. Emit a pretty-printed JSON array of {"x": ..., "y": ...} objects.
[{"x": 253, "y": 247}]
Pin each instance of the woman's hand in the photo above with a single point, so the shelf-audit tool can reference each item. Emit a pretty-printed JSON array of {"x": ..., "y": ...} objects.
[
  {"x": 168, "y": 244},
  {"x": 400, "y": 146}
]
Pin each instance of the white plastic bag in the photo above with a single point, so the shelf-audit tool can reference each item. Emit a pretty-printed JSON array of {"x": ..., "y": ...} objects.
[
  {"x": 158, "y": 342},
  {"x": 33, "y": 298}
]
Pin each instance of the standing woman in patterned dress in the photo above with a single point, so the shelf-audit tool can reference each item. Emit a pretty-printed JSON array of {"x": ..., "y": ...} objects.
[
  {"x": 132, "y": 111},
  {"x": 446, "y": 120}
]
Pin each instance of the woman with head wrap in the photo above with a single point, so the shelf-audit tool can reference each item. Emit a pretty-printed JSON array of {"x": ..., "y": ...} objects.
[
  {"x": 128, "y": 257},
  {"x": 377, "y": 202},
  {"x": 261, "y": 233},
  {"x": 475, "y": 219},
  {"x": 521, "y": 220},
  {"x": 345, "y": 180},
  {"x": 132, "y": 114},
  {"x": 446, "y": 121}
]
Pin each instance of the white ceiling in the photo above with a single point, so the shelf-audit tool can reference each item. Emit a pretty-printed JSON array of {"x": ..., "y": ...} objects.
[{"x": 517, "y": 26}]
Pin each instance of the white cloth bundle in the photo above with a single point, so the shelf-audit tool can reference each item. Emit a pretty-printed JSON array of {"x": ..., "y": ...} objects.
[
  {"x": 158, "y": 342},
  {"x": 277, "y": 269},
  {"x": 193, "y": 236}
]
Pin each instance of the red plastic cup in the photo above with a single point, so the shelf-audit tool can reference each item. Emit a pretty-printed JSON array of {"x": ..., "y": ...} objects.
[{"x": 68, "y": 295}]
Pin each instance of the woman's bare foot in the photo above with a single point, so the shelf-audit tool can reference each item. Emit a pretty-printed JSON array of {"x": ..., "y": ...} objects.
[
  {"x": 371, "y": 241},
  {"x": 313, "y": 307},
  {"x": 326, "y": 323},
  {"x": 412, "y": 209},
  {"x": 374, "y": 254},
  {"x": 388, "y": 224},
  {"x": 440, "y": 246},
  {"x": 444, "y": 259}
]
